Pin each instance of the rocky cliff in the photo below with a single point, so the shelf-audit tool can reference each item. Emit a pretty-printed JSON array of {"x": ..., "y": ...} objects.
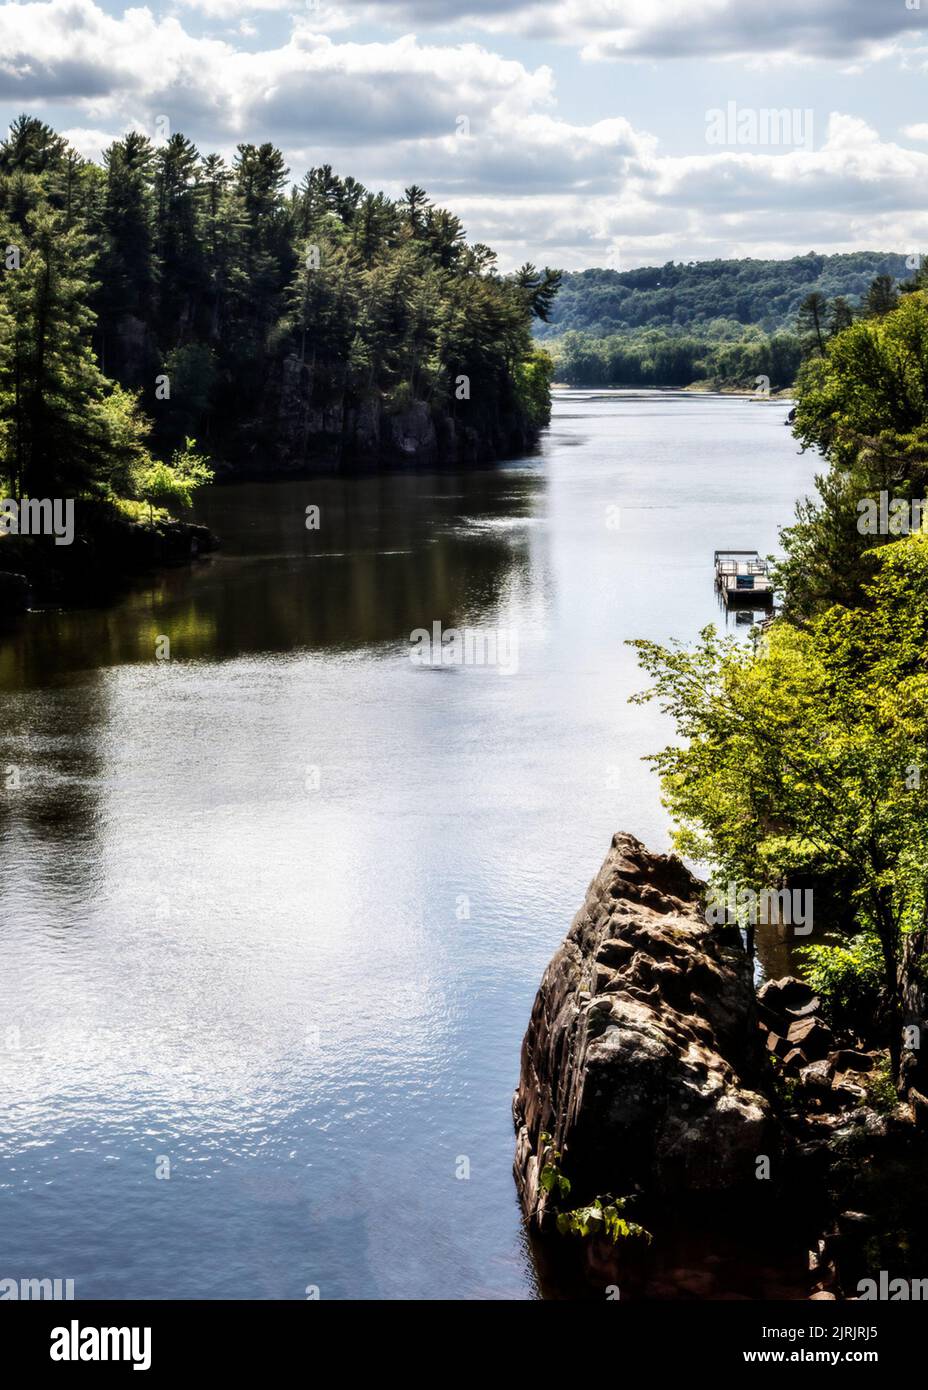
[
  {"x": 300, "y": 433},
  {"x": 642, "y": 1060},
  {"x": 651, "y": 1069}
]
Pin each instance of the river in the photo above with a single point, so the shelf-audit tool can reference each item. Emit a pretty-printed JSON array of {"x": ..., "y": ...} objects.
[{"x": 274, "y": 910}]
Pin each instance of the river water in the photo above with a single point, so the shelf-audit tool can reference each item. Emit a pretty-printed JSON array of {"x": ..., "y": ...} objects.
[{"x": 274, "y": 910}]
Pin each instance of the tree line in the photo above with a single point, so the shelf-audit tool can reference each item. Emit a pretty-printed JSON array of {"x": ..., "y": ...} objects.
[
  {"x": 162, "y": 296},
  {"x": 804, "y": 752},
  {"x": 721, "y": 353},
  {"x": 685, "y": 297},
  {"x": 656, "y": 357}
]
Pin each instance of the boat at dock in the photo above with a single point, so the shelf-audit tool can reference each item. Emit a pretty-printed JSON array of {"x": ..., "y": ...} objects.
[{"x": 743, "y": 579}]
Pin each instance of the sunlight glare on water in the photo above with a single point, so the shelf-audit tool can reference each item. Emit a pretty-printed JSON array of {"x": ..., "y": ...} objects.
[{"x": 311, "y": 998}]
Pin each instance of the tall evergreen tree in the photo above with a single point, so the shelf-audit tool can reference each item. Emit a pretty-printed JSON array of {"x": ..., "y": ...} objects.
[
  {"x": 196, "y": 283},
  {"x": 882, "y": 297},
  {"x": 127, "y": 267},
  {"x": 812, "y": 322},
  {"x": 62, "y": 433},
  {"x": 177, "y": 244}
]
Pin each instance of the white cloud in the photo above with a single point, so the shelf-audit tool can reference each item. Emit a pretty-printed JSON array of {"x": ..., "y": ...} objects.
[
  {"x": 854, "y": 192},
  {"x": 88, "y": 142},
  {"x": 130, "y": 68},
  {"x": 526, "y": 180},
  {"x": 839, "y": 30},
  {"x": 327, "y": 18},
  {"x": 916, "y": 132}
]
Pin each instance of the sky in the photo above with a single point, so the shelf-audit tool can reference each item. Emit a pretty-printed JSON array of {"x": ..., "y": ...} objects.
[{"x": 571, "y": 133}]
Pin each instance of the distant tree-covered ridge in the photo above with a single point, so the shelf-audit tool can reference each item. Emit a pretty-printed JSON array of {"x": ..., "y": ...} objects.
[
  {"x": 664, "y": 357},
  {"x": 669, "y": 336},
  {"x": 164, "y": 297},
  {"x": 684, "y": 296}
]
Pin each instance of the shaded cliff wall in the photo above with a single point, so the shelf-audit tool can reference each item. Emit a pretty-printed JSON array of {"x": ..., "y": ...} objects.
[{"x": 642, "y": 1058}]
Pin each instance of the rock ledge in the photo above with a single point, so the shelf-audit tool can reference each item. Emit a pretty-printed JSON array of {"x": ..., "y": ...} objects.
[{"x": 642, "y": 1058}]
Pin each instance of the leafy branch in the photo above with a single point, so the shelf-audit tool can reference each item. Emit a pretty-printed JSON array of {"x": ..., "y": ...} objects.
[{"x": 603, "y": 1216}]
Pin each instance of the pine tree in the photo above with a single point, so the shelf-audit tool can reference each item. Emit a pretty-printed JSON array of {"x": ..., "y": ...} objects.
[
  {"x": 811, "y": 322},
  {"x": 163, "y": 262},
  {"x": 127, "y": 267},
  {"x": 176, "y": 243},
  {"x": 882, "y": 297},
  {"x": 58, "y": 435},
  {"x": 840, "y": 315},
  {"x": 540, "y": 289}
]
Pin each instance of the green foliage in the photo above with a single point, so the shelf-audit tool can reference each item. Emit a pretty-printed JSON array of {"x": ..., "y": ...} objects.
[
  {"x": 603, "y": 1217},
  {"x": 882, "y": 297},
  {"x": 784, "y": 1083},
  {"x": 848, "y": 978},
  {"x": 126, "y": 432},
  {"x": 192, "y": 372},
  {"x": 686, "y": 297},
  {"x": 722, "y": 323},
  {"x": 173, "y": 484},
  {"x": 864, "y": 406},
  {"x": 166, "y": 261},
  {"x": 721, "y": 354},
  {"x": 64, "y": 428},
  {"x": 532, "y": 382},
  {"x": 872, "y": 382},
  {"x": 551, "y": 1179},
  {"x": 811, "y": 322},
  {"x": 882, "y": 1092},
  {"x": 798, "y": 753},
  {"x": 540, "y": 289}
]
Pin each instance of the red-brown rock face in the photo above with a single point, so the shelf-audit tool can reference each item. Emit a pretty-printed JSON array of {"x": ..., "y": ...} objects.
[{"x": 641, "y": 1055}]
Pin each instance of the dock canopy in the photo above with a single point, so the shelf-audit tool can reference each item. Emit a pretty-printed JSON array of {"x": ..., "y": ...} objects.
[{"x": 742, "y": 575}]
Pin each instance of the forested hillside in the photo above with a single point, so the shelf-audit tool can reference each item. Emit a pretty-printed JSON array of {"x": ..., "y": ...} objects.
[
  {"x": 678, "y": 357},
  {"x": 165, "y": 296},
  {"x": 684, "y": 296},
  {"x": 670, "y": 337}
]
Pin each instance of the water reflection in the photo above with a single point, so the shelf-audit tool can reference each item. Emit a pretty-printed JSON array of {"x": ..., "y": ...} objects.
[
  {"x": 389, "y": 557},
  {"x": 311, "y": 997}
]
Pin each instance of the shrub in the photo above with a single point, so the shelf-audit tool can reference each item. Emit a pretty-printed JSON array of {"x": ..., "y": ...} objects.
[{"x": 848, "y": 979}]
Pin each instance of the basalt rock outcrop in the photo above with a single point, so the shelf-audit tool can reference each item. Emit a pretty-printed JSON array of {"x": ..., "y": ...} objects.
[
  {"x": 298, "y": 433},
  {"x": 643, "y": 1062}
]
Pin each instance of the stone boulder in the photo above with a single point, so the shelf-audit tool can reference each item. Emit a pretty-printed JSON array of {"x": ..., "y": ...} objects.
[
  {"x": 812, "y": 1036},
  {"x": 643, "y": 1059},
  {"x": 788, "y": 997},
  {"x": 817, "y": 1076},
  {"x": 789, "y": 1022}
]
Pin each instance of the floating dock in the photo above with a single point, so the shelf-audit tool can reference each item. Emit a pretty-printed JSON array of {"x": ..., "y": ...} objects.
[{"x": 743, "y": 579}]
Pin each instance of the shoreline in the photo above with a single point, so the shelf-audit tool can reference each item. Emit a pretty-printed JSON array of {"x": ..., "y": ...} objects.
[
  {"x": 607, "y": 1074},
  {"x": 109, "y": 552},
  {"x": 784, "y": 395}
]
